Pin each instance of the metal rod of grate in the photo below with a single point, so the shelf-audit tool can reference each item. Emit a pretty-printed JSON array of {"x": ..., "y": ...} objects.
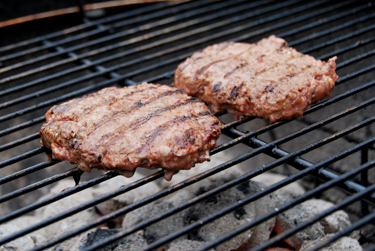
[
  {"x": 106, "y": 30},
  {"x": 75, "y": 81}
]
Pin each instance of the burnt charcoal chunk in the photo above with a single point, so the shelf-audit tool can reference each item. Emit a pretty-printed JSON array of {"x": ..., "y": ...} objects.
[{"x": 244, "y": 187}]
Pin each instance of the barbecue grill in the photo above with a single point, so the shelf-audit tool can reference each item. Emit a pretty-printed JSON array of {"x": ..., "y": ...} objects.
[{"x": 330, "y": 151}]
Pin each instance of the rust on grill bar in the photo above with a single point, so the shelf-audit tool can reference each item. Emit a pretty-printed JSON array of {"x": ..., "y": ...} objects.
[{"x": 329, "y": 153}]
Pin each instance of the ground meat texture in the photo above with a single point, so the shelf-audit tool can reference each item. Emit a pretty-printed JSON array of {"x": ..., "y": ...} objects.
[
  {"x": 120, "y": 129},
  {"x": 268, "y": 80}
]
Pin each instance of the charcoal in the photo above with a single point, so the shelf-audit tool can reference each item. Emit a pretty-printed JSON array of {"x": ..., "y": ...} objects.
[
  {"x": 122, "y": 200},
  {"x": 292, "y": 218},
  {"x": 157, "y": 230},
  {"x": 343, "y": 244},
  {"x": 332, "y": 223},
  {"x": 130, "y": 243},
  {"x": 211, "y": 205},
  {"x": 72, "y": 222},
  {"x": 185, "y": 245},
  {"x": 26, "y": 242},
  {"x": 293, "y": 190}
]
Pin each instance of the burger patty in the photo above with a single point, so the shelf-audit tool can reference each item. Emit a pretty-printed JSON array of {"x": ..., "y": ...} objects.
[
  {"x": 120, "y": 129},
  {"x": 268, "y": 80}
]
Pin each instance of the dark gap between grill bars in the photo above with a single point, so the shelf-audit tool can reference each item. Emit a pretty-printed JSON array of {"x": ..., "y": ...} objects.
[{"x": 310, "y": 122}]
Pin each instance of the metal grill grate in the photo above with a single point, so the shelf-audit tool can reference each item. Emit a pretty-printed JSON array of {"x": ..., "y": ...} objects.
[{"x": 330, "y": 150}]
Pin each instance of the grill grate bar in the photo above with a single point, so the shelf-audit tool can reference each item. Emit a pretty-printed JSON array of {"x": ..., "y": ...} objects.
[
  {"x": 180, "y": 44},
  {"x": 34, "y": 207},
  {"x": 72, "y": 211},
  {"x": 19, "y": 142},
  {"x": 322, "y": 21},
  {"x": 339, "y": 39},
  {"x": 37, "y": 94},
  {"x": 240, "y": 137},
  {"x": 285, "y": 23},
  {"x": 23, "y": 156},
  {"x": 214, "y": 191},
  {"x": 21, "y": 126},
  {"x": 302, "y": 164},
  {"x": 84, "y": 26},
  {"x": 127, "y": 42},
  {"x": 65, "y": 193},
  {"x": 348, "y": 138},
  {"x": 327, "y": 212},
  {"x": 355, "y": 74},
  {"x": 85, "y": 90},
  {"x": 26, "y": 171},
  {"x": 35, "y": 186},
  {"x": 333, "y": 29},
  {"x": 157, "y": 12},
  {"x": 298, "y": 200},
  {"x": 117, "y": 35},
  {"x": 258, "y": 195},
  {"x": 318, "y": 106},
  {"x": 357, "y": 58},
  {"x": 48, "y": 90},
  {"x": 349, "y": 48},
  {"x": 362, "y": 222},
  {"x": 173, "y": 188}
]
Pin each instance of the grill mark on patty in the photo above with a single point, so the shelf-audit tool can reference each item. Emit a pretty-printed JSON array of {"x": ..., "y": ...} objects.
[
  {"x": 205, "y": 68},
  {"x": 142, "y": 121},
  {"x": 135, "y": 106},
  {"x": 294, "y": 56},
  {"x": 113, "y": 101},
  {"x": 179, "y": 119},
  {"x": 196, "y": 59},
  {"x": 234, "y": 92},
  {"x": 70, "y": 105},
  {"x": 217, "y": 87},
  {"x": 235, "y": 69}
]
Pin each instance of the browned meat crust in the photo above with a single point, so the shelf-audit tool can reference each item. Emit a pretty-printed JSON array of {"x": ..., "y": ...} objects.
[
  {"x": 268, "y": 80},
  {"x": 123, "y": 128}
]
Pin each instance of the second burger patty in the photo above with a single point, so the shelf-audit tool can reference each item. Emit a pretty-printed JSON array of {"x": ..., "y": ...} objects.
[
  {"x": 268, "y": 80},
  {"x": 152, "y": 126}
]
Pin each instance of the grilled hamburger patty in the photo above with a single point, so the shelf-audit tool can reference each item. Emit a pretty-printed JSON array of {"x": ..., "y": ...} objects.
[
  {"x": 268, "y": 80},
  {"x": 120, "y": 129}
]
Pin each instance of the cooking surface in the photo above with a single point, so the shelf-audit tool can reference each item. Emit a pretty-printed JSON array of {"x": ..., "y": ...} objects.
[{"x": 146, "y": 43}]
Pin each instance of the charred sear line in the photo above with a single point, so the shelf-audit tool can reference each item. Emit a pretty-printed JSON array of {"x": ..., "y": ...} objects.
[
  {"x": 235, "y": 69},
  {"x": 162, "y": 128},
  {"x": 268, "y": 88},
  {"x": 92, "y": 108},
  {"x": 217, "y": 87},
  {"x": 142, "y": 121},
  {"x": 235, "y": 91},
  {"x": 278, "y": 64},
  {"x": 183, "y": 67},
  {"x": 205, "y": 68},
  {"x": 133, "y": 107},
  {"x": 161, "y": 110}
]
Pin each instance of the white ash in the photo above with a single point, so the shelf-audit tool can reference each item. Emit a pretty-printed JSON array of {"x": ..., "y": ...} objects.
[
  {"x": 124, "y": 199},
  {"x": 26, "y": 242},
  {"x": 186, "y": 245},
  {"x": 334, "y": 222},
  {"x": 300, "y": 213},
  {"x": 293, "y": 189},
  {"x": 203, "y": 209},
  {"x": 132, "y": 242},
  {"x": 342, "y": 244},
  {"x": 72, "y": 222}
]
